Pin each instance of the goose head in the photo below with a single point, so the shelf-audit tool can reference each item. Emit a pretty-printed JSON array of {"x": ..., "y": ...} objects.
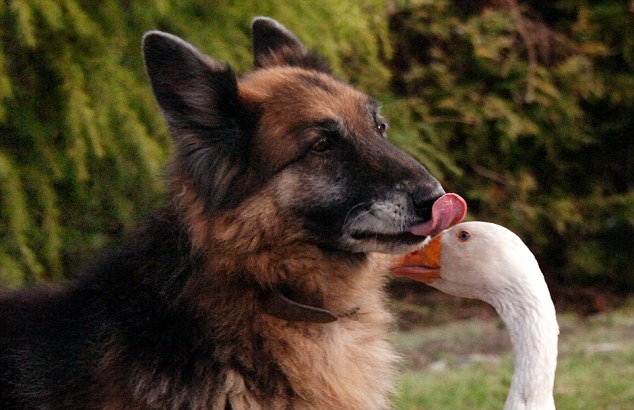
[{"x": 474, "y": 260}]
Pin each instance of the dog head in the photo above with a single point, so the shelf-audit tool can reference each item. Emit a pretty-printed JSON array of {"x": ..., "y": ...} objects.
[{"x": 314, "y": 147}]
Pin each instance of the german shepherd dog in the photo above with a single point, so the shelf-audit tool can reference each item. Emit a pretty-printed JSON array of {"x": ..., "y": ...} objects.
[{"x": 260, "y": 285}]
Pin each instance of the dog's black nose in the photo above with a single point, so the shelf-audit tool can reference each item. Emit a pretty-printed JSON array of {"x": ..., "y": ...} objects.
[{"x": 424, "y": 198}]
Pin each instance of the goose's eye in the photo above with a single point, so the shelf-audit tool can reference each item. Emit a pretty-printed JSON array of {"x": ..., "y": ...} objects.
[
  {"x": 322, "y": 144},
  {"x": 464, "y": 236}
]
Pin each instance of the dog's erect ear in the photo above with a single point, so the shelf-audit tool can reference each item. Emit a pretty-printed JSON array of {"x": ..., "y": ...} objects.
[
  {"x": 200, "y": 101},
  {"x": 275, "y": 45},
  {"x": 194, "y": 91}
]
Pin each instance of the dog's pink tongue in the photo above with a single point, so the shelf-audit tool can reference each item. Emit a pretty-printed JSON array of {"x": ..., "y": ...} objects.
[{"x": 447, "y": 211}]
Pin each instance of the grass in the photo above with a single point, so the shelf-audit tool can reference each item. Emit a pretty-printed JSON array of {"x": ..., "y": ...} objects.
[{"x": 467, "y": 364}]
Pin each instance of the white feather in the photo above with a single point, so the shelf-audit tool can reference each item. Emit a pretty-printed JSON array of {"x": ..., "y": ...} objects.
[{"x": 495, "y": 266}]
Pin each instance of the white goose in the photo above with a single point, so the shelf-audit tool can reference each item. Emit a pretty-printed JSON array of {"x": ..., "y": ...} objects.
[{"x": 486, "y": 261}]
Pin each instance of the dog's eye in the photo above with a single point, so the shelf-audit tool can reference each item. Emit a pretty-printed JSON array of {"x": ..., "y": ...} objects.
[
  {"x": 382, "y": 127},
  {"x": 322, "y": 144}
]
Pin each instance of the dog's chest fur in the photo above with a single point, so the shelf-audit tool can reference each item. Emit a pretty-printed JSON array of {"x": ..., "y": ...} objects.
[
  {"x": 240, "y": 357},
  {"x": 346, "y": 364}
]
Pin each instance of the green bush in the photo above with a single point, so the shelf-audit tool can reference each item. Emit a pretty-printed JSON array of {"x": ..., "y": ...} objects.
[
  {"x": 530, "y": 119},
  {"x": 527, "y": 112},
  {"x": 82, "y": 143}
]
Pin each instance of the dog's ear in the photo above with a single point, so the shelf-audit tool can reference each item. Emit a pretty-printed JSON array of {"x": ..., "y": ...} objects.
[
  {"x": 275, "y": 45},
  {"x": 193, "y": 90},
  {"x": 199, "y": 99}
]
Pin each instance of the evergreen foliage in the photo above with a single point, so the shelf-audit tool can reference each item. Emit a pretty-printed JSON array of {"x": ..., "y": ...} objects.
[
  {"x": 529, "y": 114},
  {"x": 526, "y": 109},
  {"x": 82, "y": 143}
]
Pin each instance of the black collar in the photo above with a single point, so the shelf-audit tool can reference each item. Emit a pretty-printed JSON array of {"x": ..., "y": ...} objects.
[{"x": 281, "y": 307}]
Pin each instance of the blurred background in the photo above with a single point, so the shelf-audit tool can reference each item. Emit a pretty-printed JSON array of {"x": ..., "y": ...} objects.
[{"x": 525, "y": 108}]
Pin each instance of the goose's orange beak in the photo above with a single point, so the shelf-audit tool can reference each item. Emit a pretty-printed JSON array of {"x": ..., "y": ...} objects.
[{"x": 423, "y": 264}]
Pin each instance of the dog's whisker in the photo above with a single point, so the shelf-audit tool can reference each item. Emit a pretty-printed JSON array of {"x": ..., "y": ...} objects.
[{"x": 345, "y": 220}]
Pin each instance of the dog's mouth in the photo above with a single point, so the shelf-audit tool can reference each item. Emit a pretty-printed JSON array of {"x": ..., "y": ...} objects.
[
  {"x": 379, "y": 231},
  {"x": 405, "y": 238},
  {"x": 373, "y": 241}
]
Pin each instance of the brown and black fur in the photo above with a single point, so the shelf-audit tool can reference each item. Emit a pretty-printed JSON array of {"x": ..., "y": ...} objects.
[{"x": 282, "y": 181}]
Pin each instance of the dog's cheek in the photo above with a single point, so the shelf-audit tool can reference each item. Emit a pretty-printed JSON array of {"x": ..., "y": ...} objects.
[
  {"x": 299, "y": 189},
  {"x": 317, "y": 202}
]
